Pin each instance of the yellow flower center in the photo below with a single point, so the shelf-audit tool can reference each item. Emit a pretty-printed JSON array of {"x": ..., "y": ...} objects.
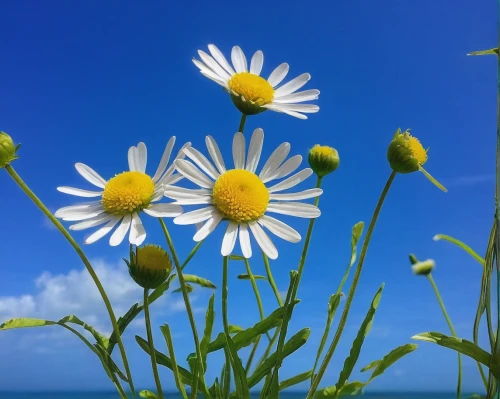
[
  {"x": 153, "y": 257},
  {"x": 323, "y": 150},
  {"x": 252, "y": 87},
  {"x": 240, "y": 196},
  {"x": 416, "y": 148},
  {"x": 128, "y": 192}
]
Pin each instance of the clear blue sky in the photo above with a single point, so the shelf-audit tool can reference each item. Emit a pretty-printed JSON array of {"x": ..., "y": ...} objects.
[{"x": 83, "y": 81}]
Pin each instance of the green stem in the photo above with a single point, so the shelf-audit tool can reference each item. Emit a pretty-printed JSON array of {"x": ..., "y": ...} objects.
[
  {"x": 242, "y": 123},
  {"x": 452, "y": 329},
  {"x": 152, "y": 350},
  {"x": 270, "y": 278},
  {"x": 189, "y": 310},
  {"x": 10, "y": 170},
  {"x": 496, "y": 352},
  {"x": 191, "y": 254},
  {"x": 352, "y": 290}
]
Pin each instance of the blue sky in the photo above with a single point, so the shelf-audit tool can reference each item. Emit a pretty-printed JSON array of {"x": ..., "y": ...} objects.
[{"x": 83, "y": 81}]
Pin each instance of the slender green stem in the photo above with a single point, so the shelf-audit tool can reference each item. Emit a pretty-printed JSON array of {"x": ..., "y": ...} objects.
[
  {"x": 352, "y": 290},
  {"x": 452, "y": 329},
  {"x": 152, "y": 350},
  {"x": 10, "y": 170},
  {"x": 496, "y": 352},
  {"x": 189, "y": 310},
  {"x": 191, "y": 254},
  {"x": 242, "y": 123},
  {"x": 270, "y": 278}
]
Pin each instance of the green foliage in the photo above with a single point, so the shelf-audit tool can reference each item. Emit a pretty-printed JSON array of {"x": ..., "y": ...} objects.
[{"x": 203, "y": 282}]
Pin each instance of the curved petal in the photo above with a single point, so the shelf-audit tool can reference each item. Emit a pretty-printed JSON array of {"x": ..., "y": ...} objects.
[
  {"x": 257, "y": 62},
  {"x": 142, "y": 157},
  {"x": 306, "y": 194},
  {"x": 191, "y": 172},
  {"x": 274, "y": 161},
  {"x": 214, "y": 66},
  {"x": 297, "y": 209},
  {"x": 85, "y": 208},
  {"x": 263, "y": 240},
  {"x": 202, "y": 162},
  {"x": 291, "y": 181},
  {"x": 137, "y": 232},
  {"x": 278, "y": 74},
  {"x": 293, "y": 85},
  {"x": 177, "y": 193},
  {"x": 306, "y": 108},
  {"x": 132, "y": 159},
  {"x": 239, "y": 60},
  {"x": 301, "y": 96},
  {"x": 197, "y": 216},
  {"x": 163, "y": 210},
  {"x": 229, "y": 239},
  {"x": 219, "y": 57},
  {"x": 121, "y": 231},
  {"x": 84, "y": 215},
  {"x": 79, "y": 192},
  {"x": 284, "y": 170},
  {"x": 239, "y": 151},
  {"x": 246, "y": 246},
  {"x": 254, "y": 150},
  {"x": 280, "y": 229},
  {"x": 214, "y": 151},
  {"x": 103, "y": 230},
  {"x": 208, "y": 227},
  {"x": 283, "y": 109},
  {"x": 95, "y": 221},
  {"x": 90, "y": 175},
  {"x": 162, "y": 166}
]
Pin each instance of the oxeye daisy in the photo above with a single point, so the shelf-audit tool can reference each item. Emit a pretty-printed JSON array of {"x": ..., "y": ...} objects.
[
  {"x": 123, "y": 197},
  {"x": 250, "y": 92},
  {"x": 241, "y": 196}
]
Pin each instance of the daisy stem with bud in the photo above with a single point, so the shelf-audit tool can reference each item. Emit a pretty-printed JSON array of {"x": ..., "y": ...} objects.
[
  {"x": 352, "y": 290},
  {"x": 151, "y": 344},
  {"x": 199, "y": 364},
  {"x": 10, "y": 170}
]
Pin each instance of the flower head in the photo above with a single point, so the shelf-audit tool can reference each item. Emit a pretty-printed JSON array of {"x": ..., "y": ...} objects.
[
  {"x": 123, "y": 198},
  {"x": 250, "y": 92},
  {"x": 149, "y": 266},
  {"x": 242, "y": 197},
  {"x": 406, "y": 155},
  {"x": 323, "y": 160},
  {"x": 7, "y": 150},
  {"x": 423, "y": 268}
]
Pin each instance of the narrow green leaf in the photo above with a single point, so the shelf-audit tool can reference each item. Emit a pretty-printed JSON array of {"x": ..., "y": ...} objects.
[
  {"x": 189, "y": 289},
  {"x": 349, "y": 389},
  {"x": 295, "y": 380},
  {"x": 247, "y": 277},
  {"x": 491, "y": 51},
  {"x": 100, "y": 338},
  {"x": 147, "y": 394},
  {"x": 351, "y": 360},
  {"x": 191, "y": 278},
  {"x": 236, "y": 257},
  {"x": 207, "y": 334},
  {"x": 293, "y": 344},
  {"x": 391, "y": 358},
  {"x": 25, "y": 322},
  {"x": 165, "y": 329},
  {"x": 240, "y": 380},
  {"x": 432, "y": 179},
  {"x": 372, "y": 365},
  {"x": 460, "y": 244},
  {"x": 233, "y": 329}
]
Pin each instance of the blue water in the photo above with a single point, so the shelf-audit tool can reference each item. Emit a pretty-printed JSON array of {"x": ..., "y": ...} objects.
[{"x": 292, "y": 395}]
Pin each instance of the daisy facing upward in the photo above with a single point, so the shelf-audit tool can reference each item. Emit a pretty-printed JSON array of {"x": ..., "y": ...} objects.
[{"x": 241, "y": 196}]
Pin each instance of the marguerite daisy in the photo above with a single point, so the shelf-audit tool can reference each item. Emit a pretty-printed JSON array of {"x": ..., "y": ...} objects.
[
  {"x": 241, "y": 196},
  {"x": 250, "y": 92},
  {"x": 123, "y": 197}
]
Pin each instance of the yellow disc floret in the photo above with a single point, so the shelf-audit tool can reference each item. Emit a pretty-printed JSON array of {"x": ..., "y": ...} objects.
[
  {"x": 240, "y": 196},
  {"x": 253, "y": 88},
  {"x": 416, "y": 148},
  {"x": 128, "y": 192}
]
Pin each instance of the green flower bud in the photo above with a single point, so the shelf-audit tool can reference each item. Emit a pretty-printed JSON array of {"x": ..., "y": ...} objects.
[
  {"x": 405, "y": 153},
  {"x": 323, "y": 159},
  {"x": 423, "y": 268},
  {"x": 7, "y": 150},
  {"x": 149, "y": 266},
  {"x": 245, "y": 106}
]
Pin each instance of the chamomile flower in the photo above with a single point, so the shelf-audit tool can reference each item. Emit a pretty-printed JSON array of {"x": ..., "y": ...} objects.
[
  {"x": 123, "y": 198},
  {"x": 250, "y": 92},
  {"x": 241, "y": 196}
]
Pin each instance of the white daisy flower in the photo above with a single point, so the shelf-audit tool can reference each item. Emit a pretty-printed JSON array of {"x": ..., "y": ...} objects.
[
  {"x": 123, "y": 197},
  {"x": 250, "y": 92},
  {"x": 241, "y": 196}
]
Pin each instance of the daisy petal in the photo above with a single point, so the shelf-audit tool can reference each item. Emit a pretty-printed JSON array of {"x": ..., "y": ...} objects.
[
  {"x": 197, "y": 216},
  {"x": 282, "y": 108},
  {"x": 158, "y": 194},
  {"x": 202, "y": 162},
  {"x": 79, "y": 208},
  {"x": 77, "y": 216},
  {"x": 79, "y": 192},
  {"x": 142, "y": 157},
  {"x": 163, "y": 210},
  {"x": 132, "y": 159},
  {"x": 201, "y": 200},
  {"x": 275, "y": 160},
  {"x": 137, "y": 232},
  {"x": 214, "y": 66},
  {"x": 214, "y": 151},
  {"x": 306, "y": 108},
  {"x": 293, "y": 85},
  {"x": 103, "y": 230},
  {"x": 211, "y": 76},
  {"x": 246, "y": 246},
  {"x": 284, "y": 170},
  {"x": 297, "y": 209},
  {"x": 191, "y": 172},
  {"x": 255, "y": 150},
  {"x": 90, "y": 175},
  {"x": 239, "y": 60},
  {"x": 277, "y": 227},
  {"x": 219, "y": 57},
  {"x": 229, "y": 239},
  {"x": 278, "y": 74},
  {"x": 120, "y": 233},
  {"x": 174, "y": 179},
  {"x": 263, "y": 240},
  {"x": 291, "y": 181},
  {"x": 177, "y": 193},
  {"x": 257, "y": 62},
  {"x": 209, "y": 73},
  {"x": 239, "y": 151},
  {"x": 96, "y": 221},
  {"x": 306, "y": 194},
  {"x": 208, "y": 227},
  {"x": 301, "y": 96},
  {"x": 162, "y": 166}
]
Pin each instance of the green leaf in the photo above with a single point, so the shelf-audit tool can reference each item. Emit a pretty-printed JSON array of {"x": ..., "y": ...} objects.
[
  {"x": 295, "y": 380},
  {"x": 460, "y": 345},
  {"x": 100, "y": 338},
  {"x": 207, "y": 334},
  {"x": 372, "y": 365},
  {"x": 148, "y": 394},
  {"x": 190, "y": 278},
  {"x": 491, "y": 51},
  {"x": 236, "y": 257},
  {"x": 351, "y": 360},
  {"x": 460, "y": 244},
  {"x": 247, "y": 277},
  {"x": 432, "y": 179},
  {"x": 165, "y": 329},
  {"x": 267, "y": 365},
  {"x": 240, "y": 380},
  {"x": 25, "y": 322},
  {"x": 189, "y": 289},
  {"x": 349, "y": 389},
  {"x": 233, "y": 329},
  {"x": 389, "y": 359}
]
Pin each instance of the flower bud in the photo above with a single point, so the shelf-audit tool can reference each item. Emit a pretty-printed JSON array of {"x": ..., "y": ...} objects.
[
  {"x": 323, "y": 160},
  {"x": 149, "y": 266},
  {"x": 7, "y": 150},
  {"x": 245, "y": 106},
  {"x": 405, "y": 153},
  {"x": 423, "y": 268}
]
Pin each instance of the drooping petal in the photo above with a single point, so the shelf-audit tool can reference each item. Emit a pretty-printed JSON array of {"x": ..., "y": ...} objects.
[
  {"x": 293, "y": 85},
  {"x": 208, "y": 227},
  {"x": 214, "y": 66},
  {"x": 263, "y": 240},
  {"x": 191, "y": 172},
  {"x": 95, "y": 221},
  {"x": 137, "y": 232},
  {"x": 306, "y": 194},
  {"x": 283, "y": 109},
  {"x": 90, "y": 175},
  {"x": 197, "y": 216},
  {"x": 246, "y": 246},
  {"x": 206, "y": 71},
  {"x": 280, "y": 229},
  {"x": 121, "y": 231},
  {"x": 202, "y": 162},
  {"x": 298, "y": 97},
  {"x": 229, "y": 239},
  {"x": 255, "y": 150},
  {"x": 103, "y": 230},
  {"x": 239, "y": 151}
]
